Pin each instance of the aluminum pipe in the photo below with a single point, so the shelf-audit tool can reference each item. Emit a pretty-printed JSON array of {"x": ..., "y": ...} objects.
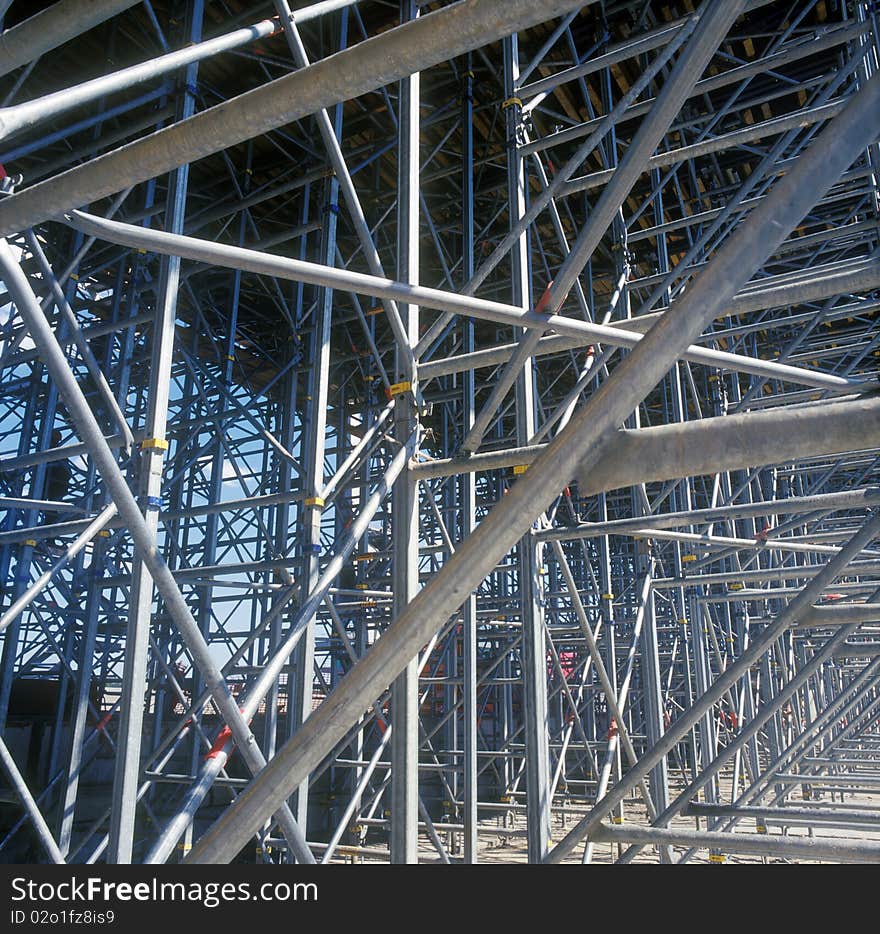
[{"x": 53, "y": 27}]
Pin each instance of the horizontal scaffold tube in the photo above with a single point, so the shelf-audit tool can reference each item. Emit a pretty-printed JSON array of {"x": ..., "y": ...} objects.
[
  {"x": 841, "y": 615},
  {"x": 19, "y": 117},
  {"x": 859, "y": 277},
  {"x": 733, "y": 442},
  {"x": 706, "y": 540},
  {"x": 283, "y": 267},
  {"x": 824, "y": 502},
  {"x": 373, "y": 63},
  {"x": 780, "y": 815},
  {"x": 753, "y": 843},
  {"x": 709, "y": 445},
  {"x": 859, "y": 650},
  {"x": 794, "y": 573},
  {"x": 824, "y": 616}
]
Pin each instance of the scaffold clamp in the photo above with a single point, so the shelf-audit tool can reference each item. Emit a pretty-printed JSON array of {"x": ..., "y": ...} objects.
[
  {"x": 397, "y": 389},
  {"x": 154, "y": 444}
]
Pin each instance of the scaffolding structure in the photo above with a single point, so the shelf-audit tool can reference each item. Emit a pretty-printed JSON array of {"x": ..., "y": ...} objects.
[{"x": 430, "y": 424}]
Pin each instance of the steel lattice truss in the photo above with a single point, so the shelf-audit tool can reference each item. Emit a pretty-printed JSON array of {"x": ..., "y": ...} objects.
[{"x": 429, "y": 425}]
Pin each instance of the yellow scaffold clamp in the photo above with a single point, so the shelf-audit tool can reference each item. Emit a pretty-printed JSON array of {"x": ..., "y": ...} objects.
[
  {"x": 154, "y": 444},
  {"x": 398, "y": 389}
]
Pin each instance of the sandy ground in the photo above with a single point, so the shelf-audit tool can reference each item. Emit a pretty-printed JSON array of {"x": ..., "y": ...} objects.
[{"x": 502, "y": 838}]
